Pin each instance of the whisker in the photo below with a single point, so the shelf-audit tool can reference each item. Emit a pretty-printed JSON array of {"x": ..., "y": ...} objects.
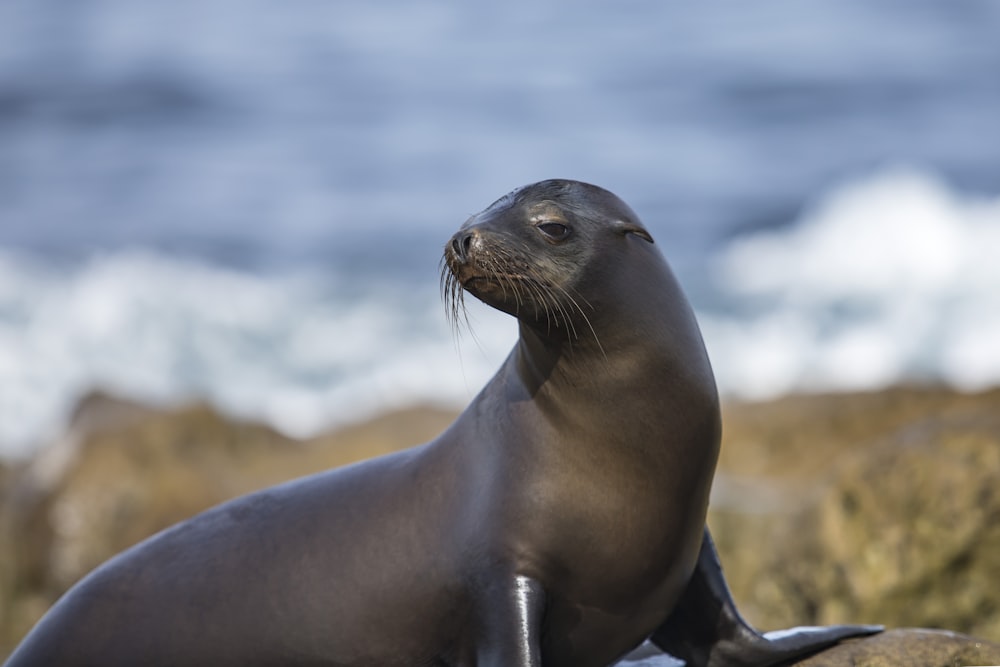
[
  {"x": 586, "y": 319},
  {"x": 521, "y": 282},
  {"x": 454, "y": 297}
]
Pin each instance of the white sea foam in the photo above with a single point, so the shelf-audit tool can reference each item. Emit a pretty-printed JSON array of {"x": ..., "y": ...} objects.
[
  {"x": 302, "y": 352},
  {"x": 886, "y": 279}
]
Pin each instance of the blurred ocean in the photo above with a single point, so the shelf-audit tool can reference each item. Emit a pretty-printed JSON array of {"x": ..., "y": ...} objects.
[{"x": 246, "y": 201}]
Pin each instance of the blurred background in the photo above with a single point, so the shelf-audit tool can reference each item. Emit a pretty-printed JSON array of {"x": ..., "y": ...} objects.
[{"x": 246, "y": 202}]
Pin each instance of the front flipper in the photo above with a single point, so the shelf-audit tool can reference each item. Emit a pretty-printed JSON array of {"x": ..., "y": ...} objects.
[
  {"x": 512, "y": 629},
  {"x": 706, "y": 630}
]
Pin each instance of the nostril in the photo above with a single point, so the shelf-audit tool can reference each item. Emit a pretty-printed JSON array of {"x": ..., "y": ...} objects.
[{"x": 461, "y": 245}]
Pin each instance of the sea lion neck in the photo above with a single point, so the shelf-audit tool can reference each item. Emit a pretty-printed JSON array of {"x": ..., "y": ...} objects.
[{"x": 535, "y": 358}]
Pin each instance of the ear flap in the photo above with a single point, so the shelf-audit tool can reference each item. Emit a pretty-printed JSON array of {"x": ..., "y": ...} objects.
[{"x": 623, "y": 228}]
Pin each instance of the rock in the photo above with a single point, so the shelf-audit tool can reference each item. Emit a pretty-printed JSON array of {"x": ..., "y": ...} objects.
[
  {"x": 866, "y": 508},
  {"x": 7, "y": 572},
  {"x": 909, "y": 648},
  {"x": 879, "y": 508},
  {"x": 123, "y": 472},
  {"x": 893, "y": 648},
  {"x": 914, "y": 519},
  {"x": 859, "y": 508}
]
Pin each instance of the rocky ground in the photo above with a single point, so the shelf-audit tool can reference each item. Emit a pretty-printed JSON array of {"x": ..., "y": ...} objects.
[
  {"x": 863, "y": 508},
  {"x": 871, "y": 508}
]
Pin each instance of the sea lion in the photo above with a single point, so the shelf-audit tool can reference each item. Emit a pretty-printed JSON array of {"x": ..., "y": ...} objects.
[{"x": 559, "y": 521}]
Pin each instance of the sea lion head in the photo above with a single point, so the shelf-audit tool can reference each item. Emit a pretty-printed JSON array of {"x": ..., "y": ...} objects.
[{"x": 540, "y": 252}]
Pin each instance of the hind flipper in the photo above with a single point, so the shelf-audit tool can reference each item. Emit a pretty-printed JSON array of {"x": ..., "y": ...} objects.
[{"x": 706, "y": 630}]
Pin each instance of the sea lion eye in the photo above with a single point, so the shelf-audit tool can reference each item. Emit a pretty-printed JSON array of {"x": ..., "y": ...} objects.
[{"x": 554, "y": 230}]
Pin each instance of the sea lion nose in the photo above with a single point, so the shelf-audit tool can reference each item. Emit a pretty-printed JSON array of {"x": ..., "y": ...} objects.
[{"x": 461, "y": 244}]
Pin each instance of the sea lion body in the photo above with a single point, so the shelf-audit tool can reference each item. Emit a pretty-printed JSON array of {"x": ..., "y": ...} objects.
[{"x": 559, "y": 521}]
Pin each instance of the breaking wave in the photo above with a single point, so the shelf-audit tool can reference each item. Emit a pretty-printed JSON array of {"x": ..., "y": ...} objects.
[{"x": 890, "y": 279}]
